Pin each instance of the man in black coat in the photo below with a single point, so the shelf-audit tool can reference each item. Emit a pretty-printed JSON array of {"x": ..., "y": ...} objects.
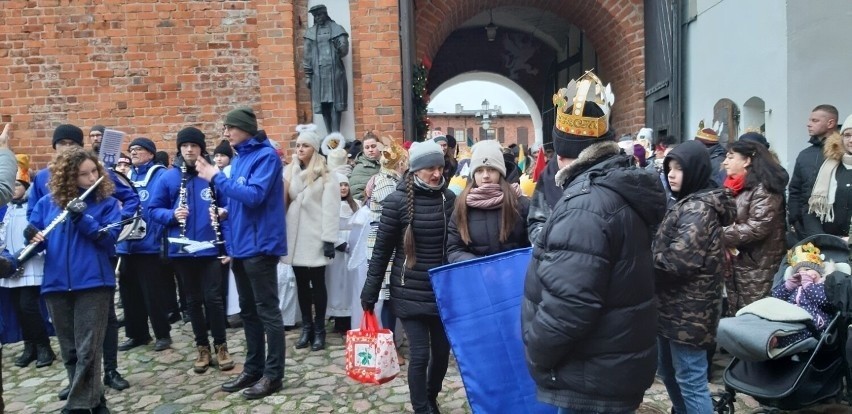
[
  {"x": 821, "y": 123},
  {"x": 589, "y": 314}
]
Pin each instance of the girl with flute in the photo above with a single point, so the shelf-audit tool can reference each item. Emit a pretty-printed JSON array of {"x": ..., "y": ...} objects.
[{"x": 79, "y": 280}]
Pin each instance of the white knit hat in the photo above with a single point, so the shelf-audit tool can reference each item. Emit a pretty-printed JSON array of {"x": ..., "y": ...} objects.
[
  {"x": 847, "y": 123},
  {"x": 308, "y": 135},
  {"x": 342, "y": 178},
  {"x": 487, "y": 153},
  {"x": 424, "y": 155},
  {"x": 336, "y": 158}
]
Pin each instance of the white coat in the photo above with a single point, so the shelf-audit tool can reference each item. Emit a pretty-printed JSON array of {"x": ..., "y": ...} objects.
[{"x": 313, "y": 216}]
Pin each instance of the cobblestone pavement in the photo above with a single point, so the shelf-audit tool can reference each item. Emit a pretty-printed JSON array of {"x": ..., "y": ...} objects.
[{"x": 315, "y": 382}]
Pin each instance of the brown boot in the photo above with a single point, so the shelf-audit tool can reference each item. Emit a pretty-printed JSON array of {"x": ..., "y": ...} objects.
[
  {"x": 224, "y": 358},
  {"x": 203, "y": 360}
]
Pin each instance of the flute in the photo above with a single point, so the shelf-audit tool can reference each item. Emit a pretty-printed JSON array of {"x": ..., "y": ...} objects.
[{"x": 28, "y": 252}]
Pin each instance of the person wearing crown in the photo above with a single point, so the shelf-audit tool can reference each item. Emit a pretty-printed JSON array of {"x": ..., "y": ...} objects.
[
  {"x": 586, "y": 336},
  {"x": 710, "y": 138},
  {"x": 805, "y": 288}
]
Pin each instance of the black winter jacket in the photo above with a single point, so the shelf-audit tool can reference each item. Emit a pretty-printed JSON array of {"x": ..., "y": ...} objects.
[
  {"x": 589, "y": 309},
  {"x": 717, "y": 157},
  {"x": 411, "y": 289},
  {"x": 484, "y": 226},
  {"x": 802, "y": 183}
]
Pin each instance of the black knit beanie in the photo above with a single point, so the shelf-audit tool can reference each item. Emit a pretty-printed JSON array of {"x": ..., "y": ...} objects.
[
  {"x": 224, "y": 148},
  {"x": 570, "y": 145},
  {"x": 67, "y": 131},
  {"x": 191, "y": 135}
]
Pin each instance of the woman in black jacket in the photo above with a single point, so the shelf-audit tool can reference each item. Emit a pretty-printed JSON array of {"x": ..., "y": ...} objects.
[
  {"x": 414, "y": 224},
  {"x": 490, "y": 214}
]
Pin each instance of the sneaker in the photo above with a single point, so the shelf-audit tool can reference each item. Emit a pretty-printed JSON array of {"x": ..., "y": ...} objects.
[
  {"x": 224, "y": 359},
  {"x": 203, "y": 360}
]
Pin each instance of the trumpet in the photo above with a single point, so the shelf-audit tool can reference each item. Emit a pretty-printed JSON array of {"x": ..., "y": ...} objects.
[
  {"x": 182, "y": 202},
  {"x": 28, "y": 252}
]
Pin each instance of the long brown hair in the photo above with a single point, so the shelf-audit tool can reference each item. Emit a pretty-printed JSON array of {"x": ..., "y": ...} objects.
[
  {"x": 63, "y": 176},
  {"x": 408, "y": 239},
  {"x": 349, "y": 200},
  {"x": 509, "y": 215}
]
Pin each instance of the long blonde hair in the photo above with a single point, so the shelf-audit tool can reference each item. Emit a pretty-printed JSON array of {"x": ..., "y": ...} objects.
[{"x": 315, "y": 169}]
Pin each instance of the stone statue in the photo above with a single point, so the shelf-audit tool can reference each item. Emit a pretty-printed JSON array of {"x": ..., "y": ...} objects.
[{"x": 326, "y": 43}]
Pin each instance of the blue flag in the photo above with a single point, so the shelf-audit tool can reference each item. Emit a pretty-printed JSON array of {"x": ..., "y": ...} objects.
[{"x": 480, "y": 305}]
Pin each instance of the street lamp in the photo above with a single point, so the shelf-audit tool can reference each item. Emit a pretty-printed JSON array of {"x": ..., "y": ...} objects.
[
  {"x": 485, "y": 117},
  {"x": 491, "y": 28}
]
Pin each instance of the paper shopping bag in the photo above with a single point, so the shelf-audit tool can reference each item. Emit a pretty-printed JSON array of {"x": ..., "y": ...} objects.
[{"x": 371, "y": 353}]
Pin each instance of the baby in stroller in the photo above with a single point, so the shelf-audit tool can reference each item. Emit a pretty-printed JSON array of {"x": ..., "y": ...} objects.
[
  {"x": 789, "y": 350},
  {"x": 804, "y": 287}
]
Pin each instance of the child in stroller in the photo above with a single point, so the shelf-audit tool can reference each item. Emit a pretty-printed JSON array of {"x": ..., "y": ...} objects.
[
  {"x": 811, "y": 369},
  {"x": 804, "y": 287}
]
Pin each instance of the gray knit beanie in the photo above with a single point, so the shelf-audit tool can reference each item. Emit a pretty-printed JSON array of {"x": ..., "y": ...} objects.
[{"x": 424, "y": 155}]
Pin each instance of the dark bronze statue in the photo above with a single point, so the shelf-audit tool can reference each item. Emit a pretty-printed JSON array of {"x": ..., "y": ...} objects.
[{"x": 326, "y": 43}]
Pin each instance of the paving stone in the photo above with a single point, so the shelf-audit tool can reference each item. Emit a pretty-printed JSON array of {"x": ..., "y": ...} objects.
[{"x": 164, "y": 383}]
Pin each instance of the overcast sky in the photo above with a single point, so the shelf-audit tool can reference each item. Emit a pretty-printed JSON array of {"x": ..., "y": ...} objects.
[{"x": 470, "y": 94}]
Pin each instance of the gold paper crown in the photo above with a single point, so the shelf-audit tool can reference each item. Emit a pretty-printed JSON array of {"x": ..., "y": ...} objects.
[
  {"x": 805, "y": 253},
  {"x": 392, "y": 153},
  {"x": 574, "y": 98},
  {"x": 709, "y": 134}
]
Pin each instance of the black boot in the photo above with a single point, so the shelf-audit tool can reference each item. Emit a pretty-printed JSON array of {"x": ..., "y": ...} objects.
[
  {"x": 28, "y": 355},
  {"x": 307, "y": 335},
  {"x": 45, "y": 355},
  {"x": 319, "y": 337}
]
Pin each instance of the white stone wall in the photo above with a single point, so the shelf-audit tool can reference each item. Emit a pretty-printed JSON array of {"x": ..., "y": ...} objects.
[{"x": 737, "y": 50}]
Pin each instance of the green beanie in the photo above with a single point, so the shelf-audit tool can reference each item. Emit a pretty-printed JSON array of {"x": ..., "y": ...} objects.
[{"x": 242, "y": 118}]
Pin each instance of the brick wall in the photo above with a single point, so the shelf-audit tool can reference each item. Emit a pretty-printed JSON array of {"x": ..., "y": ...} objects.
[
  {"x": 509, "y": 124},
  {"x": 147, "y": 68},
  {"x": 615, "y": 28},
  {"x": 152, "y": 67}
]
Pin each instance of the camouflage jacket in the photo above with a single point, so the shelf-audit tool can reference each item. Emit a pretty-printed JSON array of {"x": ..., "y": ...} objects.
[{"x": 688, "y": 264}]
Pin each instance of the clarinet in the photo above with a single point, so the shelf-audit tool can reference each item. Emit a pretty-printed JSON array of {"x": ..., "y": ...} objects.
[
  {"x": 214, "y": 222},
  {"x": 182, "y": 198}
]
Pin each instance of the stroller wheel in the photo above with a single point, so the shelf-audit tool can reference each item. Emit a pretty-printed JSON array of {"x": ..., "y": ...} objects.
[{"x": 724, "y": 404}]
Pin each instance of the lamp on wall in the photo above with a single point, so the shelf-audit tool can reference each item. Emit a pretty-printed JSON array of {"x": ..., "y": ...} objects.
[
  {"x": 486, "y": 116},
  {"x": 491, "y": 28}
]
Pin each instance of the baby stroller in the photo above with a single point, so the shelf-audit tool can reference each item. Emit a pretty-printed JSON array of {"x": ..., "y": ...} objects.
[{"x": 804, "y": 374}]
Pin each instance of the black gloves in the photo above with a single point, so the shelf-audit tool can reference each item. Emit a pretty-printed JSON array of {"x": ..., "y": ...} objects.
[
  {"x": 328, "y": 249},
  {"x": 75, "y": 208},
  {"x": 342, "y": 247},
  {"x": 29, "y": 233},
  {"x": 367, "y": 306}
]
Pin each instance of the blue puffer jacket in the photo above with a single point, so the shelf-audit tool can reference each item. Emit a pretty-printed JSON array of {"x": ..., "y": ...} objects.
[
  {"x": 256, "y": 201},
  {"x": 78, "y": 255},
  {"x": 128, "y": 198},
  {"x": 165, "y": 198},
  {"x": 152, "y": 242}
]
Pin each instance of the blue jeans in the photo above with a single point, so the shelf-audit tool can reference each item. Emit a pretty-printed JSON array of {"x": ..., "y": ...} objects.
[
  {"x": 683, "y": 369},
  {"x": 563, "y": 410}
]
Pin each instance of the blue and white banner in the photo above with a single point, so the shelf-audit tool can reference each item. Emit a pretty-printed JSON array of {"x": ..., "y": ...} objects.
[{"x": 480, "y": 304}]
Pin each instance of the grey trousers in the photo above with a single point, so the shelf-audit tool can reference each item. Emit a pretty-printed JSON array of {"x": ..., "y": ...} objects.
[{"x": 80, "y": 319}]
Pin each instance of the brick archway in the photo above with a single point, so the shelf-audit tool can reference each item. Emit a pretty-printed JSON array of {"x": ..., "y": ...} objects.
[{"x": 615, "y": 27}]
